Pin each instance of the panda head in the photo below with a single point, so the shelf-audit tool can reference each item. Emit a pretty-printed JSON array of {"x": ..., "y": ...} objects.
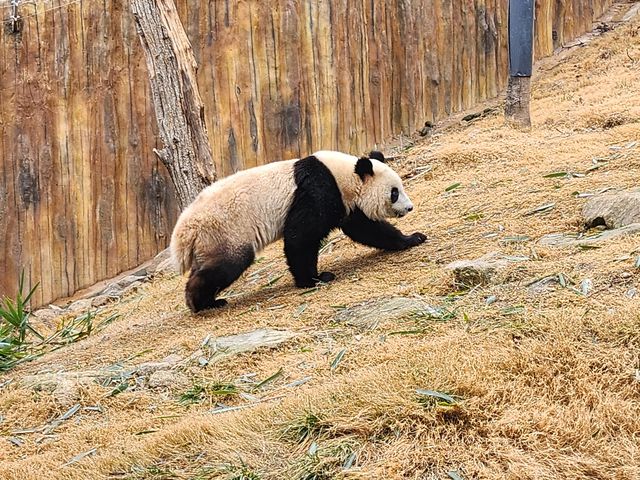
[{"x": 381, "y": 194}]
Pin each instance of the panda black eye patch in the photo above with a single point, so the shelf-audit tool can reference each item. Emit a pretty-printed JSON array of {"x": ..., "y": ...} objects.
[{"x": 394, "y": 195}]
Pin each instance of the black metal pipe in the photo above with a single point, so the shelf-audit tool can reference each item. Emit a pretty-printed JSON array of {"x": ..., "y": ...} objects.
[{"x": 521, "y": 16}]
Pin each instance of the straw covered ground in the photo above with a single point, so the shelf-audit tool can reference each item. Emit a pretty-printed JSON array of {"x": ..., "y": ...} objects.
[{"x": 529, "y": 379}]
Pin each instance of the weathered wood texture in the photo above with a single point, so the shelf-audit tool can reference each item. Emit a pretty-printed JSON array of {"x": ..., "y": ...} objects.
[{"x": 82, "y": 196}]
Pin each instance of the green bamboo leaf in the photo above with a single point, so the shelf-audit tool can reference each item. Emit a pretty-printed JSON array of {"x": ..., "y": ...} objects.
[{"x": 338, "y": 359}]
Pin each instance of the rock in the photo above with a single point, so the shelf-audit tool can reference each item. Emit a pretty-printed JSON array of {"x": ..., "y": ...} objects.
[
  {"x": 66, "y": 385},
  {"x": 50, "y": 381},
  {"x": 67, "y": 392},
  {"x": 247, "y": 342},
  {"x": 80, "y": 306},
  {"x": 165, "y": 267},
  {"x": 614, "y": 210},
  {"x": 47, "y": 315},
  {"x": 157, "y": 264},
  {"x": 569, "y": 240},
  {"x": 149, "y": 368},
  {"x": 481, "y": 271},
  {"x": 371, "y": 314},
  {"x": 586, "y": 286},
  {"x": 168, "y": 379},
  {"x": 544, "y": 285},
  {"x": 100, "y": 300},
  {"x": 123, "y": 286}
]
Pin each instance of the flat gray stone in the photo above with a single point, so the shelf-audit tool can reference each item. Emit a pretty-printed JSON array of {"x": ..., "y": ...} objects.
[
  {"x": 371, "y": 314},
  {"x": 80, "y": 306},
  {"x": 614, "y": 209},
  {"x": 123, "y": 286},
  {"x": 100, "y": 300},
  {"x": 160, "y": 263},
  {"x": 48, "y": 315},
  {"x": 572, "y": 240},
  {"x": 480, "y": 271},
  {"x": 246, "y": 342},
  {"x": 50, "y": 381},
  {"x": 168, "y": 379},
  {"x": 149, "y": 368}
]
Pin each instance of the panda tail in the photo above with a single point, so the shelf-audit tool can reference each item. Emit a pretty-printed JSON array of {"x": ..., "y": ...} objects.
[{"x": 182, "y": 253}]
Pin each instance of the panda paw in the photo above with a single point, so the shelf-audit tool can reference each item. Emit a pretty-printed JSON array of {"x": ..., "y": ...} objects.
[
  {"x": 326, "y": 277},
  {"x": 416, "y": 239}
]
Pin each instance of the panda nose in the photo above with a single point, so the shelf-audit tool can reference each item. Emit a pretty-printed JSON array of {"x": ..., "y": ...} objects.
[{"x": 409, "y": 208}]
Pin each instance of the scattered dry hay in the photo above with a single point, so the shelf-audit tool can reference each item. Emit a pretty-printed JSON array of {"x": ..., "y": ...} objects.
[{"x": 544, "y": 378}]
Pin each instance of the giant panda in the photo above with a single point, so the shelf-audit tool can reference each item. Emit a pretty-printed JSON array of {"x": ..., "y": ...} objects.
[{"x": 217, "y": 236}]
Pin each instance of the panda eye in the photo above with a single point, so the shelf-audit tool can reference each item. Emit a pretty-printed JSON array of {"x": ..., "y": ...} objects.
[{"x": 394, "y": 195}]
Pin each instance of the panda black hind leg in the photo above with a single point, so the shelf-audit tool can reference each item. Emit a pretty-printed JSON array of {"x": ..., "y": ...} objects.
[{"x": 208, "y": 280}]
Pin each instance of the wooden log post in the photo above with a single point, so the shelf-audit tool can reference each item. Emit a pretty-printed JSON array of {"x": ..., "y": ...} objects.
[
  {"x": 521, "y": 21},
  {"x": 179, "y": 109}
]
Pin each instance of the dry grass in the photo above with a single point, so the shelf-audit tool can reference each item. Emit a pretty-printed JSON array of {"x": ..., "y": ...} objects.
[{"x": 545, "y": 383}]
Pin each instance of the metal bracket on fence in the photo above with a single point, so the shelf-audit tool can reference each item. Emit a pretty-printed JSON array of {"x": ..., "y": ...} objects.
[{"x": 15, "y": 20}]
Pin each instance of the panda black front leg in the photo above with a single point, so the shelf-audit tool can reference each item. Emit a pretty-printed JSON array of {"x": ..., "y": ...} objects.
[
  {"x": 302, "y": 258},
  {"x": 378, "y": 233}
]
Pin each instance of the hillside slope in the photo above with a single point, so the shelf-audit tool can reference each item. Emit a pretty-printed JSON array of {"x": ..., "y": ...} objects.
[{"x": 543, "y": 377}]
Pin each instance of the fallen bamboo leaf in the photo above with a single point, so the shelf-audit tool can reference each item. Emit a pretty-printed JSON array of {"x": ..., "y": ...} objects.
[
  {"x": 300, "y": 310},
  {"x": 541, "y": 209},
  {"x": 266, "y": 381},
  {"x": 515, "y": 239},
  {"x": 119, "y": 389},
  {"x": 80, "y": 456},
  {"x": 348, "y": 463},
  {"x": 452, "y": 187},
  {"x": 297, "y": 383},
  {"x": 454, "y": 475},
  {"x": 556, "y": 175},
  {"x": 587, "y": 246},
  {"x": 272, "y": 281},
  {"x": 310, "y": 291},
  {"x": 65, "y": 416},
  {"x": 439, "y": 395},
  {"x": 18, "y": 442},
  {"x": 596, "y": 166},
  {"x": 338, "y": 359},
  {"x": 561, "y": 280},
  {"x": 313, "y": 449}
]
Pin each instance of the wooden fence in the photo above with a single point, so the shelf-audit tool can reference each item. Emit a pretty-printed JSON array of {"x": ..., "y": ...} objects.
[{"x": 82, "y": 196}]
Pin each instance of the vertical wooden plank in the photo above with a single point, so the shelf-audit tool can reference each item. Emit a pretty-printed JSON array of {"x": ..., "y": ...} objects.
[{"x": 480, "y": 32}]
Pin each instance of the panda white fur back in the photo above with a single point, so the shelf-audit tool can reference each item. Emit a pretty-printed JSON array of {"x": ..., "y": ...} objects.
[
  {"x": 218, "y": 235},
  {"x": 250, "y": 205}
]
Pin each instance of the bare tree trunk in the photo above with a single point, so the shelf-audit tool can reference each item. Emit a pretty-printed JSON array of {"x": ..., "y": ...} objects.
[{"x": 179, "y": 109}]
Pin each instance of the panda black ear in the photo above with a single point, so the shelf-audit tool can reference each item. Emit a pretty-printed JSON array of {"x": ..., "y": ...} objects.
[
  {"x": 376, "y": 155},
  {"x": 364, "y": 167}
]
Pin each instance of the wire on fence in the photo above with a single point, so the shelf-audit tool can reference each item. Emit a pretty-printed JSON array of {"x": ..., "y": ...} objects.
[{"x": 14, "y": 4}]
